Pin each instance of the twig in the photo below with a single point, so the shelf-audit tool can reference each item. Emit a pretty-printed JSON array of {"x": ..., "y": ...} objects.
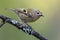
[{"x": 27, "y": 29}]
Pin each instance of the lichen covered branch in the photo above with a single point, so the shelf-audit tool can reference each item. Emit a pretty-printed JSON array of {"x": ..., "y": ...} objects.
[{"x": 27, "y": 29}]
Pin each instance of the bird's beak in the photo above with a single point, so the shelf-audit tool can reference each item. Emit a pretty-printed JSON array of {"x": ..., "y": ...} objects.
[{"x": 42, "y": 15}]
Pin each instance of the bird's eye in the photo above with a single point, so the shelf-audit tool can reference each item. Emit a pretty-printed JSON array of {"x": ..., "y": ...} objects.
[
  {"x": 38, "y": 13},
  {"x": 24, "y": 10}
]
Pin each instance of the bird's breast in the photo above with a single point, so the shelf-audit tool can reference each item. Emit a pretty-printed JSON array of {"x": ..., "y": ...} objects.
[{"x": 27, "y": 18}]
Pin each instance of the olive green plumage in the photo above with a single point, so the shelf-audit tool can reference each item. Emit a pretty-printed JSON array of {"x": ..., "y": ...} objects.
[{"x": 27, "y": 15}]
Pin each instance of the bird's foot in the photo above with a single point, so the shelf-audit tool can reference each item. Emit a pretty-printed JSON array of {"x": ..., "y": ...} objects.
[{"x": 23, "y": 24}]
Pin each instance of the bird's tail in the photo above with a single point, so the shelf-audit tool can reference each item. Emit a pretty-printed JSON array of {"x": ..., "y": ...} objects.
[{"x": 12, "y": 9}]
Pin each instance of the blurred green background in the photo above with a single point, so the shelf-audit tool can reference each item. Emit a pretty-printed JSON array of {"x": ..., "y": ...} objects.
[{"x": 48, "y": 26}]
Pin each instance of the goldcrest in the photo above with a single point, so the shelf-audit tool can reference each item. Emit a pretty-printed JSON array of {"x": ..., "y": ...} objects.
[{"x": 27, "y": 15}]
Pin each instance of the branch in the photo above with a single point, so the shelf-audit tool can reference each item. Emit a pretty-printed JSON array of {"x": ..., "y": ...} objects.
[{"x": 27, "y": 29}]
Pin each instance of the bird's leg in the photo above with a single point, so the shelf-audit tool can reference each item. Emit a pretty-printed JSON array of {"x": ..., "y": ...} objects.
[
  {"x": 23, "y": 23},
  {"x": 2, "y": 23}
]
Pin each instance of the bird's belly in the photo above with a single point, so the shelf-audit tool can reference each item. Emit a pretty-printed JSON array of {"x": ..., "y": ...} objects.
[{"x": 26, "y": 18}]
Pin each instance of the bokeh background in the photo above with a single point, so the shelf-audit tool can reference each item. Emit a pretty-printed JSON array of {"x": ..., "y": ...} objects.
[{"x": 48, "y": 26}]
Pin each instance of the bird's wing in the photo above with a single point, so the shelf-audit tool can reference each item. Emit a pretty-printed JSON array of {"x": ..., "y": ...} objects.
[{"x": 29, "y": 15}]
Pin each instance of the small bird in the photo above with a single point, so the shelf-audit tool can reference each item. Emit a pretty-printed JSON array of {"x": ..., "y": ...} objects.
[{"x": 27, "y": 15}]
